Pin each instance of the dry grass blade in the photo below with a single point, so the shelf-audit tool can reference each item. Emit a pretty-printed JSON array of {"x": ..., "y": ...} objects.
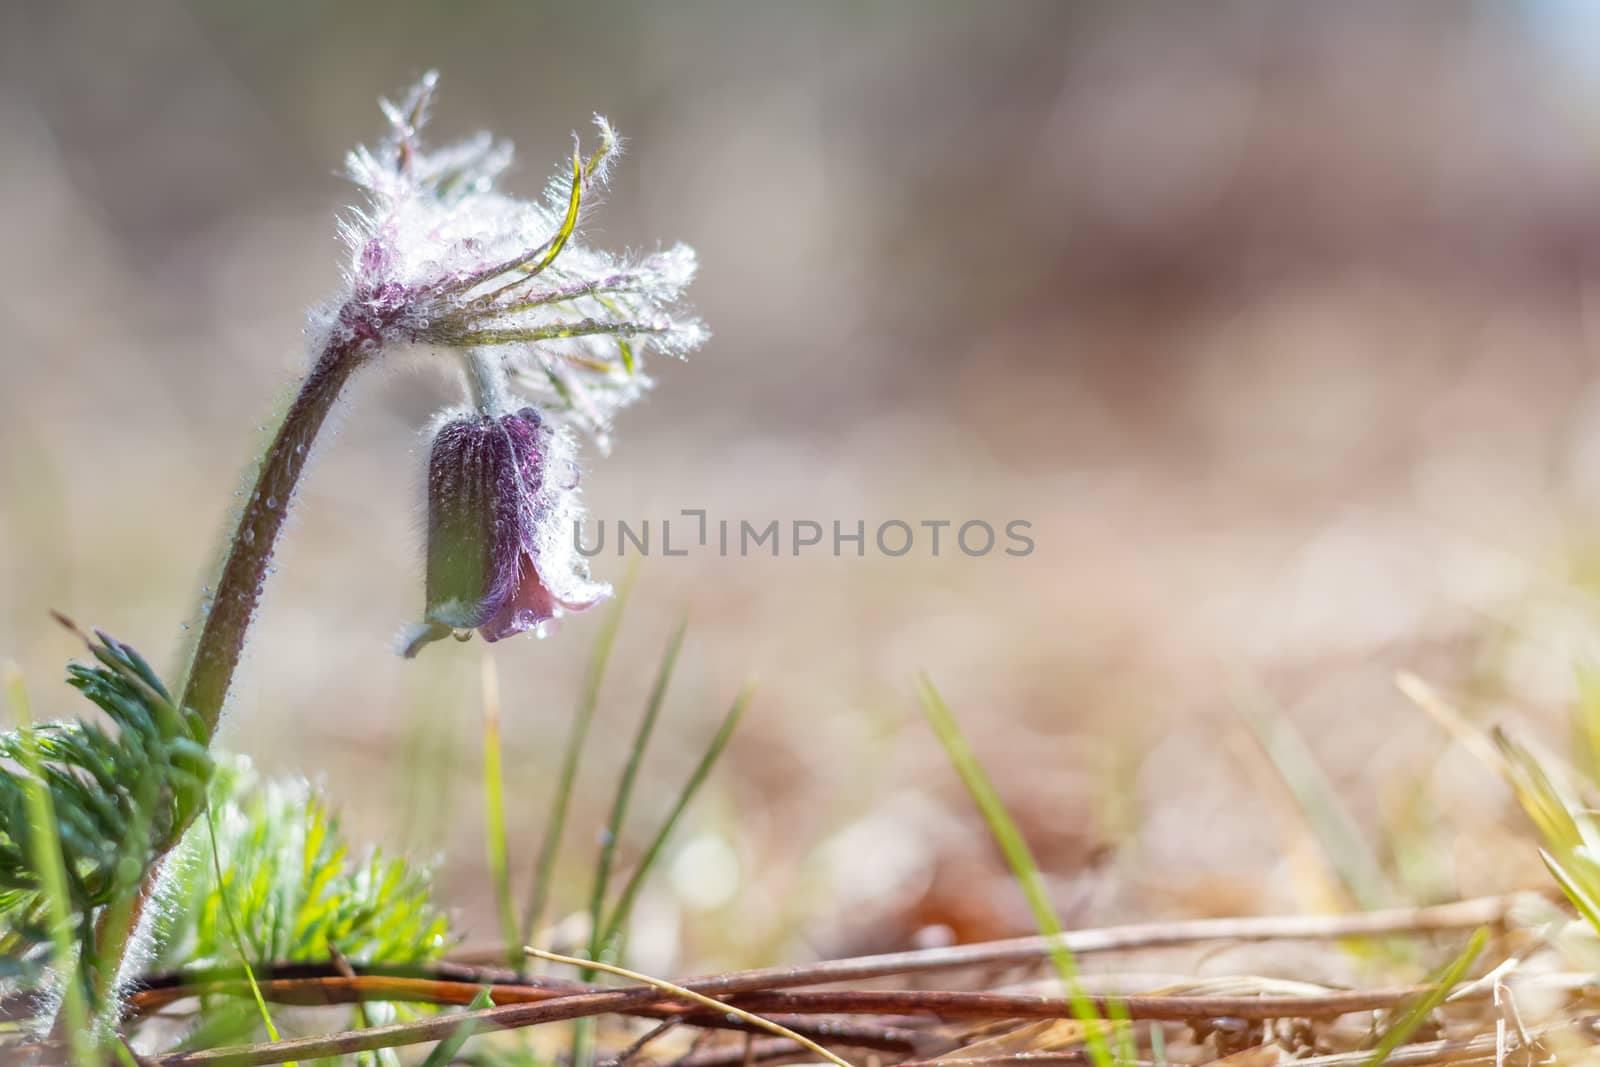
[
  {"x": 158, "y": 990},
  {"x": 1245, "y": 1001},
  {"x": 423, "y": 1031},
  {"x": 1259, "y": 1056},
  {"x": 1473, "y": 739},
  {"x": 698, "y": 998},
  {"x": 1031, "y": 1040}
]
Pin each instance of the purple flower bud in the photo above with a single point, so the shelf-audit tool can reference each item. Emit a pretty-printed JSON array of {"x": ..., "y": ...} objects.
[{"x": 502, "y": 504}]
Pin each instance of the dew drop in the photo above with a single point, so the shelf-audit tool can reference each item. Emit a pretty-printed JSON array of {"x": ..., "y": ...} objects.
[
  {"x": 249, "y": 536},
  {"x": 272, "y": 502},
  {"x": 184, "y": 627}
]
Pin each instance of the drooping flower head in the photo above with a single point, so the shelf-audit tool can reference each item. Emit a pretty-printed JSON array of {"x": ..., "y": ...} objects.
[
  {"x": 440, "y": 257},
  {"x": 550, "y": 335},
  {"x": 502, "y": 500}
]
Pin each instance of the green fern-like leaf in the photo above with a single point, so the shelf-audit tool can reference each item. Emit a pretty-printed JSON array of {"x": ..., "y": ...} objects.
[
  {"x": 122, "y": 794},
  {"x": 294, "y": 887}
]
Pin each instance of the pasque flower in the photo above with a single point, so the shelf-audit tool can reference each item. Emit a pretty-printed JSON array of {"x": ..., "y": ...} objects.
[
  {"x": 502, "y": 500},
  {"x": 502, "y": 288},
  {"x": 505, "y": 290},
  {"x": 439, "y": 257},
  {"x": 550, "y": 337}
]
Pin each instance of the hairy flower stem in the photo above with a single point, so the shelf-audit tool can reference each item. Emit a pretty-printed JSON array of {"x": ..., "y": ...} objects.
[
  {"x": 486, "y": 381},
  {"x": 216, "y": 654},
  {"x": 238, "y": 591}
]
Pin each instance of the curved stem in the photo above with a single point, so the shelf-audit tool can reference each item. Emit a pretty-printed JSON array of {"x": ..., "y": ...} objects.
[
  {"x": 216, "y": 654},
  {"x": 238, "y": 592}
]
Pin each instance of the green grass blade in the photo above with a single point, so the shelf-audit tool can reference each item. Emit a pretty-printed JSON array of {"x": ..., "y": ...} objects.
[
  {"x": 1337, "y": 835},
  {"x": 1578, "y": 890},
  {"x": 612, "y": 930},
  {"x": 1587, "y": 716},
  {"x": 1020, "y": 859},
  {"x": 555, "y": 827},
  {"x": 445, "y": 1051},
  {"x": 583, "y": 1034},
  {"x": 624, "y": 796},
  {"x": 1550, "y": 803},
  {"x": 1443, "y": 982},
  {"x": 233, "y": 929},
  {"x": 494, "y": 815},
  {"x": 45, "y": 844}
]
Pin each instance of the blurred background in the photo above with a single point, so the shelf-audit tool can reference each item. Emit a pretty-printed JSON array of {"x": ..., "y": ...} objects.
[{"x": 1277, "y": 322}]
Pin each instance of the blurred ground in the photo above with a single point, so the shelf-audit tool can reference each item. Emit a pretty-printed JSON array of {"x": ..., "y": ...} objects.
[{"x": 1278, "y": 324}]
